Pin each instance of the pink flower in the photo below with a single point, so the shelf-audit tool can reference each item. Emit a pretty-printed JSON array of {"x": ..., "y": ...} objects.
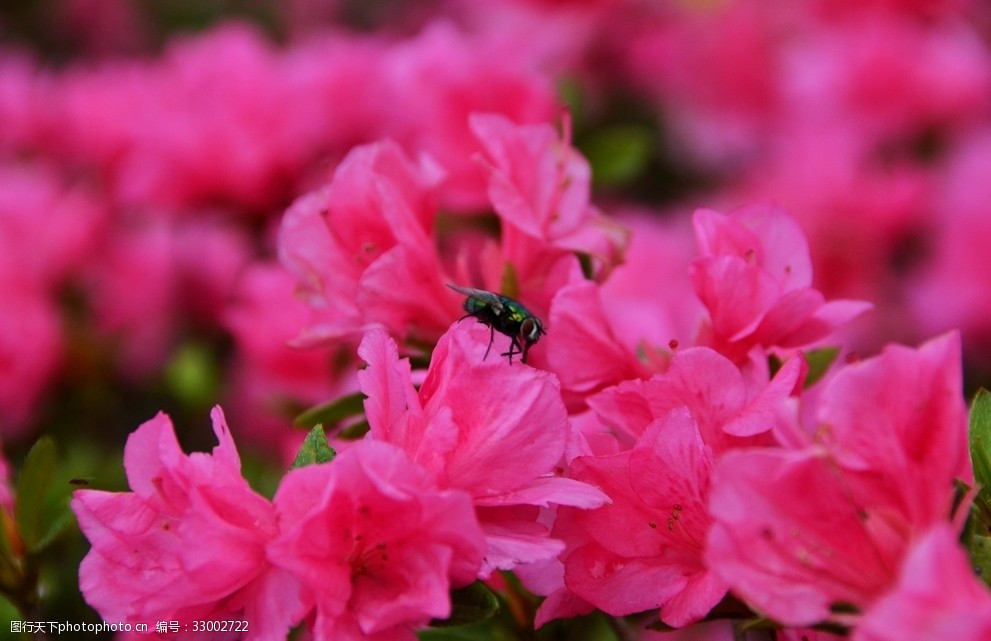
[
  {"x": 48, "y": 229},
  {"x": 24, "y": 104},
  {"x": 937, "y": 597},
  {"x": 188, "y": 542},
  {"x": 730, "y": 409},
  {"x": 226, "y": 117},
  {"x": 889, "y": 75},
  {"x": 539, "y": 186},
  {"x": 363, "y": 252},
  {"x": 714, "y": 73},
  {"x": 584, "y": 350},
  {"x": 495, "y": 430},
  {"x": 628, "y": 322},
  {"x": 658, "y": 492},
  {"x": 677, "y": 422},
  {"x": 754, "y": 276},
  {"x": 789, "y": 538},
  {"x": 798, "y": 531},
  {"x": 375, "y": 542},
  {"x": 650, "y": 312}
]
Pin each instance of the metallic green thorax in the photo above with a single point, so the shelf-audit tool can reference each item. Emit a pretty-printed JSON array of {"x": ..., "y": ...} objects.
[{"x": 504, "y": 315}]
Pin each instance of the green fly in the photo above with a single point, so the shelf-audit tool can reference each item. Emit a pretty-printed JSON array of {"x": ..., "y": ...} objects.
[{"x": 504, "y": 315}]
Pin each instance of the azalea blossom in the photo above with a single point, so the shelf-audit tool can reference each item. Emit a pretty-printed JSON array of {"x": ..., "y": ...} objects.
[
  {"x": 188, "y": 542},
  {"x": 658, "y": 494},
  {"x": 540, "y": 187},
  {"x": 362, "y": 252},
  {"x": 798, "y": 531},
  {"x": 678, "y": 423},
  {"x": 375, "y": 542},
  {"x": 494, "y": 430},
  {"x": 699, "y": 439},
  {"x": 754, "y": 276}
]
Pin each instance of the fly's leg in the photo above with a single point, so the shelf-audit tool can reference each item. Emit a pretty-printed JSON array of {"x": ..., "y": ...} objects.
[
  {"x": 519, "y": 349},
  {"x": 491, "y": 331},
  {"x": 491, "y": 338}
]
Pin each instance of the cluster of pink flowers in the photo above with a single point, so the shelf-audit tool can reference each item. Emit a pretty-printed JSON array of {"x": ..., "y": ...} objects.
[
  {"x": 868, "y": 123},
  {"x": 608, "y": 473},
  {"x": 719, "y": 420}
]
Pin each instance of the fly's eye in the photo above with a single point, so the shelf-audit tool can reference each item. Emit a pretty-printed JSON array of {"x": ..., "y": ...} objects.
[{"x": 530, "y": 329}]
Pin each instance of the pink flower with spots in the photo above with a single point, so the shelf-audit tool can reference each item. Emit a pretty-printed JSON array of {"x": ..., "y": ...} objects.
[
  {"x": 494, "y": 430},
  {"x": 798, "y": 531},
  {"x": 658, "y": 491},
  {"x": 376, "y": 543},
  {"x": 672, "y": 428},
  {"x": 627, "y": 322},
  {"x": 363, "y": 252},
  {"x": 187, "y": 543},
  {"x": 755, "y": 277}
]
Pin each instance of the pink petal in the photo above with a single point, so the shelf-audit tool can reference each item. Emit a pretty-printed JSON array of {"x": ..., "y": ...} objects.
[
  {"x": 788, "y": 537},
  {"x": 763, "y": 413},
  {"x": 937, "y": 597},
  {"x": 387, "y": 384},
  {"x": 582, "y": 348},
  {"x": 548, "y": 490},
  {"x": 620, "y": 585}
]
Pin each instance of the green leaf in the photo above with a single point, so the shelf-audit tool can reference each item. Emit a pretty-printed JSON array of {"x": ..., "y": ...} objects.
[
  {"x": 979, "y": 548},
  {"x": 332, "y": 412},
  {"x": 315, "y": 449},
  {"x": 57, "y": 518},
  {"x": 470, "y": 604},
  {"x": 819, "y": 361},
  {"x": 980, "y": 439},
  {"x": 8, "y": 614},
  {"x": 33, "y": 485},
  {"x": 618, "y": 154}
]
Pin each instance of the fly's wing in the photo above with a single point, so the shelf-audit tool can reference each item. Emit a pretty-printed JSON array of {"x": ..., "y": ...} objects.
[{"x": 491, "y": 299}]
